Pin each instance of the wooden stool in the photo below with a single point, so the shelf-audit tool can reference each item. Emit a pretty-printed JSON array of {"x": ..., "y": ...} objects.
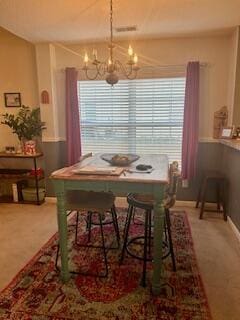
[{"x": 220, "y": 182}]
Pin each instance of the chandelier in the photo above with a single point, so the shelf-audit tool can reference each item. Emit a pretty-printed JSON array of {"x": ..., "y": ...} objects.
[{"x": 112, "y": 67}]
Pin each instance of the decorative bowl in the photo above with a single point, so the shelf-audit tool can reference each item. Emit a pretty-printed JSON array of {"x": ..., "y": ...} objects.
[{"x": 119, "y": 159}]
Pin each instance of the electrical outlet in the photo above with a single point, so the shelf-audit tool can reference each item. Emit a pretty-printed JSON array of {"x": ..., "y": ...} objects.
[{"x": 185, "y": 183}]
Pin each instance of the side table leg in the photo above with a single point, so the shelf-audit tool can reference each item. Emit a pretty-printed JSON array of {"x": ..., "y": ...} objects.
[
  {"x": 158, "y": 241},
  {"x": 62, "y": 229},
  {"x": 36, "y": 179}
]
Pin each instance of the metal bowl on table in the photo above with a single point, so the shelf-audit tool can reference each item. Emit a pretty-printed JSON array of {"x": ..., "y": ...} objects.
[{"x": 119, "y": 159}]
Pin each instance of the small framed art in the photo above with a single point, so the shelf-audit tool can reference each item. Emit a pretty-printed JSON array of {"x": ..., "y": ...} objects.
[
  {"x": 12, "y": 99},
  {"x": 227, "y": 133}
]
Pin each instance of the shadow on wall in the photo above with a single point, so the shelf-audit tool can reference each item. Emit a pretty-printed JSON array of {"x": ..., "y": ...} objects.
[{"x": 209, "y": 158}]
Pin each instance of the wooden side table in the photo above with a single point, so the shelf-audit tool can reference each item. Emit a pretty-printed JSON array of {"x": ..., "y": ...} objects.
[{"x": 19, "y": 174}]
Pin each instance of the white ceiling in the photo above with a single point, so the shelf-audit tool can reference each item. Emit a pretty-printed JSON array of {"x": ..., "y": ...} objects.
[{"x": 88, "y": 20}]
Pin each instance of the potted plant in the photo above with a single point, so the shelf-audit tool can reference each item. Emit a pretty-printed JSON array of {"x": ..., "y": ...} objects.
[{"x": 27, "y": 125}]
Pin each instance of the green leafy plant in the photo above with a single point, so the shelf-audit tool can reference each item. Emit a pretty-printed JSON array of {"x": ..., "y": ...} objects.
[{"x": 26, "y": 123}]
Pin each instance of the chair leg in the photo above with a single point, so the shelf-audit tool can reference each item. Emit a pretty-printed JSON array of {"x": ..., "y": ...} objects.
[
  {"x": 224, "y": 200},
  {"x": 115, "y": 224},
  {"x": 87, "y": 222},
  {"x": 126, "y": 231},
  {"x": 199, "y": 195},
  {"x": 143, "y": 281},
  {"x": 168, "y": 223},
  {"x": 134, "y": 220},
  {"x": 165, "y": 231},
  {"x": 103, "y": 245},
  {"x": 218, "y": 196},
  {"x": 203, "y": 196},
  {"x": 149, "y": 232},
  {"x": 89, "y": 225},
  {"x": 133, "y": 216},
  {"x": 76, "y": 227}
]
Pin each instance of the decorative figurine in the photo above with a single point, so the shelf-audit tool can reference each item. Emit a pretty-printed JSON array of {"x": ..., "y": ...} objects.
[{"x": 220, "y": 121}]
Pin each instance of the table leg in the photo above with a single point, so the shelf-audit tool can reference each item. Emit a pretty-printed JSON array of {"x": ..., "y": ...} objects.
[
  {"x": 62, "y": 228},
  {"x": 157, "y": 242}
]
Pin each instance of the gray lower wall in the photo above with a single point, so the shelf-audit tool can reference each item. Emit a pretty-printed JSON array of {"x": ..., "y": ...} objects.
[
  {"x": 55, "y": 156},
  {"x": 211, "y": 156},
  {"x": 216, "y": 156},
  {"x": 231, "y": 168}
]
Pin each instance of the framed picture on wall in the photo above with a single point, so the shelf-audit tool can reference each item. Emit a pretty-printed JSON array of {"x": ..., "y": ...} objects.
[
  {"x": 12, "y": 99},
  {"x": 227, "y": 133}
]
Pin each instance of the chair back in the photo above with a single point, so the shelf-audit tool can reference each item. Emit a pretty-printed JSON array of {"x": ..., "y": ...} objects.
[{"x": 171, "y": 192}]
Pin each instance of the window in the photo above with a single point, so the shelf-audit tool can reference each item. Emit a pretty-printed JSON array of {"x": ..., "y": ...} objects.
[{"x": 135, "y": 116}]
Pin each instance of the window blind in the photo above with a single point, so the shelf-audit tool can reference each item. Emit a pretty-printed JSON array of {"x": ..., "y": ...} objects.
[{"x": 135, "y": 116}]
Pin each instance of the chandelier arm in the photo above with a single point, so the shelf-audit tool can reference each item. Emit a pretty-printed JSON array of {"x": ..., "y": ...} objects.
[
  {"x": 130, "y": 74},
  {"x": 102, "y": 69},
  {"x": 91, "y": 78}
]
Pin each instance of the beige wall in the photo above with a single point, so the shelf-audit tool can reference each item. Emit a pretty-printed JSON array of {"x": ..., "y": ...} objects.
[
  {"x": 236, "y": 109},
  {"x": 18, "y": 74},
  {"x": 216, "y": 52}
]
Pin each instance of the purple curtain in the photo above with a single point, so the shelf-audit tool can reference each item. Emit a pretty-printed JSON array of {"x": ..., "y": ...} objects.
[
  {"x": 190, "y": 123},
  {"x": 72, "y": 118}
]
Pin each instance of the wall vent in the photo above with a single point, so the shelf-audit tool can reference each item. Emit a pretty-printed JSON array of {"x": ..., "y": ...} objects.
[{"x": 126, "y": 29}]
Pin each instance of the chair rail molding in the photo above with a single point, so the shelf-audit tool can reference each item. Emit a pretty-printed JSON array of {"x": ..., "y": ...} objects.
[
  {"x": 208, "y": 140},
  {"x": 53, "y": 139}
]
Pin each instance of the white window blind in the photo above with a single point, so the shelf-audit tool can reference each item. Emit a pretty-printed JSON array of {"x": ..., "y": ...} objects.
[{"x": 135, "y": 116}]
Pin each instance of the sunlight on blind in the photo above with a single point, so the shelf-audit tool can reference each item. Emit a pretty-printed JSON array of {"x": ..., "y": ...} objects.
[{"x": 135, "y": 116}]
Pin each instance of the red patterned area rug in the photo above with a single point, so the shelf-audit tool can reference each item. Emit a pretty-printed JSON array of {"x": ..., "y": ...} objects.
[{"x": 37, "y": 293}]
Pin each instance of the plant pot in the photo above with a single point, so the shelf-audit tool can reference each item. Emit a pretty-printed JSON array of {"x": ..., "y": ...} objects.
[{"x": 30, "y": 147}]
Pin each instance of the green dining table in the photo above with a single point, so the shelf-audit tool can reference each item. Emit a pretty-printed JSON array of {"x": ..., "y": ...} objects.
[{"x": 129, "y": 181}]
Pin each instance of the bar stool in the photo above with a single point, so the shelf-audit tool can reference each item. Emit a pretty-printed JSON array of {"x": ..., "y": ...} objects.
[
  {"x": 146, "y": 202},
  {"x": 98, "y": 204},
  {"x": 220, "y": 182}
]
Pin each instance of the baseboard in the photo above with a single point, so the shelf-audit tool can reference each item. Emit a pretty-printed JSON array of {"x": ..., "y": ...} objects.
[
  {"x": 234, "y": 228},
  {"x": 184, "y": 203},
  {"x": 51, "y": 199}
]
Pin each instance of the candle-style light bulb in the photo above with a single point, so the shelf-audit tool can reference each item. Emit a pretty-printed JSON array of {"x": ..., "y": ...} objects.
[
  {"x": 94, "y": 54},
  {"x": 135, "y": 58},
  {"x": 109, "y": 61},
  {"x": 130, "y": 50},
  {"x": 86, "y": 58}
]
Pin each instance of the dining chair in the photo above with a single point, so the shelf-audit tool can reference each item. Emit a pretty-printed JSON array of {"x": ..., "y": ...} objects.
[
  {"x": 99, "y": 204},
  {"x": 146, "y": 202}
]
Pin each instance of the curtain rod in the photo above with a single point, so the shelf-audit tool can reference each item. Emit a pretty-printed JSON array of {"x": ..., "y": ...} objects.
[{"x": 202, "y": 65}]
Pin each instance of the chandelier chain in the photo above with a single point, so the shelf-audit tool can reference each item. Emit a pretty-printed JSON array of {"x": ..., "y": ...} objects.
[
  {"x": 111, "y": 31},
  {"x": 111, "y": 20}
]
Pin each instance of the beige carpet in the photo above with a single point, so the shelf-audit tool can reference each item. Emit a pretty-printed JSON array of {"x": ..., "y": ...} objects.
[{"x": 25, "y": 228}]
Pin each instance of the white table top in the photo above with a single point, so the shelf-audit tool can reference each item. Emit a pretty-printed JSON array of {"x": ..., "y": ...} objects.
[{"x": 159, "y": 174}]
